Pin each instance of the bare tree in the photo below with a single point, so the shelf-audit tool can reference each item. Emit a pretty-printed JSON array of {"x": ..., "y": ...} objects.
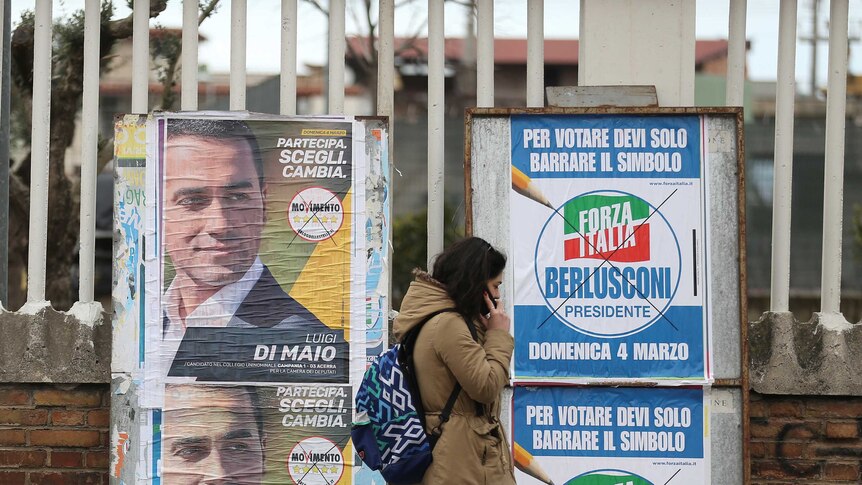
[
  {"x": 362, "y": 57},
  {"x": 66, "y": 94},
  {"x": 167, "y": 48}
]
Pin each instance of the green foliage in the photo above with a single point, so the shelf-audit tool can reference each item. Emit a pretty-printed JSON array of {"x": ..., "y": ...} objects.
[
  {"x": 409, "y": 239},
  {"x": 66, "y": 64},
  {"x": 166, "y": 49},
  {"x": 28, "y": 18},
  {"x": 167, "y": 44},
  {"x": 21, "y": 113},
  {"x": 68, "y": 42}
]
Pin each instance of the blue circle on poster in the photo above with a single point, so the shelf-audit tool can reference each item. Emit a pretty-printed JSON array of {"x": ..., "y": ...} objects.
[{"x": 613, "y": 263}]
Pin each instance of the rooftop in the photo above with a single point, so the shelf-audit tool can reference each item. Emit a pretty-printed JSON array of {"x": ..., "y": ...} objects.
[{"x": 514, "y": 51}]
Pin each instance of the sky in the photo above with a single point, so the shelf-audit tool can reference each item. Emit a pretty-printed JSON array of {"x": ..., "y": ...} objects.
[{"x": 561, "y": 21}]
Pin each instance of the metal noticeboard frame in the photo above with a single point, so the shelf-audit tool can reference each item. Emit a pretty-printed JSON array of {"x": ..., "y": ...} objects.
[{"x": 487, "y": 177}]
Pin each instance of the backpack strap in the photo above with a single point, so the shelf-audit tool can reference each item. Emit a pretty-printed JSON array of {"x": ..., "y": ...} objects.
[
  {"x": 480, "y": 408},
  {"x": 405, "y": 357},
  {"x": 444, "y": 415}
]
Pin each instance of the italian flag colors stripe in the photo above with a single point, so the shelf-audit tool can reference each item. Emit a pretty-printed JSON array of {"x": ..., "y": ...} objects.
[{"x": 607, "y": 227}]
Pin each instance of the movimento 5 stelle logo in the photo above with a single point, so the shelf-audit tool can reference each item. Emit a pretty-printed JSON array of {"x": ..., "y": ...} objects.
[{"x": 608, "y": 263}]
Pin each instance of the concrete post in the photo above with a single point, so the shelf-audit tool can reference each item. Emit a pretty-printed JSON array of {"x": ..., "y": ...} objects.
[
  {"x": 833, "y": 188},
  {"x": 485, "y": 54},
  {"x": 735, "y": 89},
  {"x": 238, "y": 26},
  {"x": 386, "y": 61},
  {"x": 337, "y": 47},
  {"x": 779, "y": 299},
  {"x": 536, "y": 54},
  {"x": 189, "y": 98},
  {"x": 40, "y": 146},
  {"x": 89, "y": 151},
  {"x": 140, "y": 56},
  {"x": 436, "y": 100},
  {"x": 626, "y": 42},
  {"x": 289, "y": 25}
]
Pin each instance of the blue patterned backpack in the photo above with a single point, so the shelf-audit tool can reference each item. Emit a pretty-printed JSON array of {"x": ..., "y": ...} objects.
[{"x": 389, "y": 431}]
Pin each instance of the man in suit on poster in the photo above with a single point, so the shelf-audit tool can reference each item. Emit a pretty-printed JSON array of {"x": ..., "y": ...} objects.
[{"x": 214, "y": 210}]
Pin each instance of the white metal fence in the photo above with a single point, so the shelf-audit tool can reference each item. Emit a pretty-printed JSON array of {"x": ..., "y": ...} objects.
[{"x": 781, "y": 235}]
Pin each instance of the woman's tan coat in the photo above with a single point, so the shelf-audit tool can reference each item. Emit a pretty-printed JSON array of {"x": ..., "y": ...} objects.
[{"x": 472, "y": 449}]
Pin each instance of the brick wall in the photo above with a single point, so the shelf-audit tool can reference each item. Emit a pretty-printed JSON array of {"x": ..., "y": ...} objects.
[
  {"x": 54, "y": 434},
  {"x": 805, "y": 439}
]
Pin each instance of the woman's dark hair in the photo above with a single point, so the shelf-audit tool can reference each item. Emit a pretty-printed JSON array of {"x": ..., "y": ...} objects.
[{"x": 465, "y": 268}]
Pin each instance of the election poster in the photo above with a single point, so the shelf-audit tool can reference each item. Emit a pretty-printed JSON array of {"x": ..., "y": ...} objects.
[
  {"x": 610, "y": 248},
  {"x": 255, "y": 297},
  {"x": 130, "y": 133},
  {"x": 257, "y": 434},
  {"x": 610, "y": 436},
  {"x": 378, "y": 234}
]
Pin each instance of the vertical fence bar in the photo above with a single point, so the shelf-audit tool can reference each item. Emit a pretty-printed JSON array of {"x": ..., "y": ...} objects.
[
  {"x": 485, "y": 54},
  {"x": 833, "y": 193},
  {"x": 189, "y": 101},
  {"x": 287, "y": 96},
  {"x": 386, "y": 97},
  {"x": 386, "y": 61},
  {"x": 140, "y": 56},
  {"x": 89, "y": 150},
  {"x": 468, "y": 81},
  {"x": 783, "y": 174},
  {"x": 815, "y": 43},
  {"x": 536, "y": 54},
  {"x": 238, "y": 12},
  {"x": 40, "y": 147},
  {"x": 735, "y": 86},
  {"x": 436, "y": 140},
  {"x": 5, "y": 104},
  {"x": 336, "y": 57}
]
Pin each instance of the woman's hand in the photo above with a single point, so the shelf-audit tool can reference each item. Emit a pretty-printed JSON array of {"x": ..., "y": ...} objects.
[{"x": 497, "y": 318}]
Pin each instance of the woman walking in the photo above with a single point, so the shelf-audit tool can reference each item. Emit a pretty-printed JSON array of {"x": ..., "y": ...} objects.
[{"x": 472, "y": 448}]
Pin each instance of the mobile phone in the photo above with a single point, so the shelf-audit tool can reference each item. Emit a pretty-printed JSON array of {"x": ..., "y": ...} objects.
[{"x": 493, "y": 300}]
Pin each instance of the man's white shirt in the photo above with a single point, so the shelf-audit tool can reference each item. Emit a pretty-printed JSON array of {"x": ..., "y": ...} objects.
[{"x": 217, "y": 311}]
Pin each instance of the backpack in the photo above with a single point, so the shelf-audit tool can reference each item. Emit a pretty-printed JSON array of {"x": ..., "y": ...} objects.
[{"x": 389, "y": 429}]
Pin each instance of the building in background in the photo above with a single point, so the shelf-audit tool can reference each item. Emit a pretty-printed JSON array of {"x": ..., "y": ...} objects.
[
  {"x": 510, "y": 87},
  {"x": 807, "y": 202},
  {"x": 561, "y": 69}
]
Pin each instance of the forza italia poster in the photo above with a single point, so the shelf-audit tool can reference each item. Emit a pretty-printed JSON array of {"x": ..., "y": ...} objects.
[
  {"x": 610, "y": 436},
  {"x": 610, "y": 243}
]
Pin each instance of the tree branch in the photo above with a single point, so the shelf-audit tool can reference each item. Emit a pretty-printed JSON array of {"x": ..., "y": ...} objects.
[
  {"x": 351, "y": 9},
  {"x": 405, "y": 2},
  {"x": 316, "y": 4},
  {"x": 372, "y": 52},
  {"x": 122, "y": 28},
  {"x": 169, "y": 48},
  {"x": 207, "y": 10},
  {"x": 66, "y": 93}
]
